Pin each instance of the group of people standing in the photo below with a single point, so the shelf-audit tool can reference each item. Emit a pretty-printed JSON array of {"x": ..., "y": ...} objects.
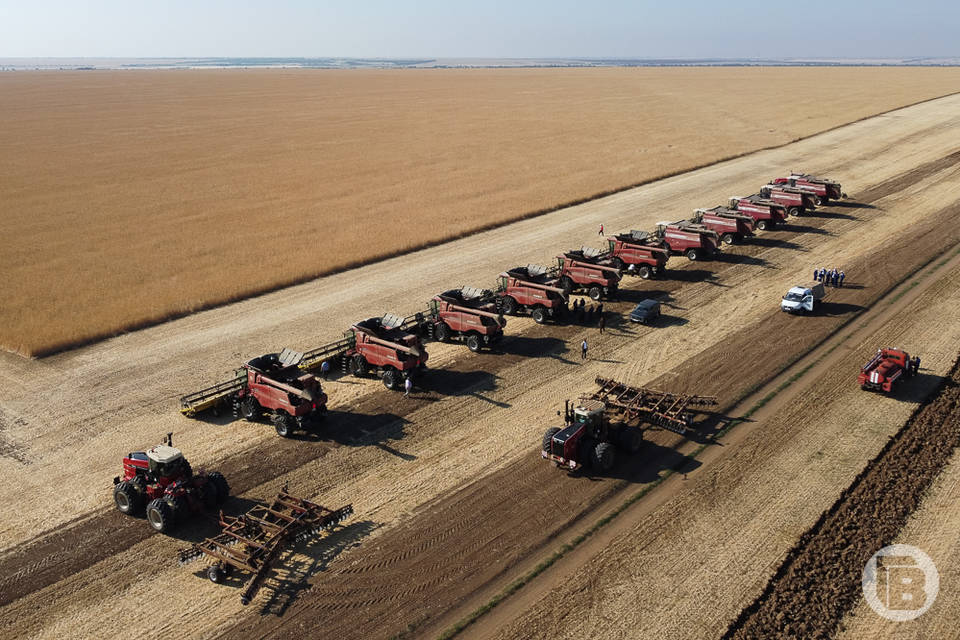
[
  {"x": 585, "y": 315},
  {"x": 829, "y": 276}
]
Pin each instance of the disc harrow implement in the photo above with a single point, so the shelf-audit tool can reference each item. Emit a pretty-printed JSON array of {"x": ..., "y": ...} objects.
[
  {"x": 671, "y": 411},
  {"x": 252, "y": 542}
]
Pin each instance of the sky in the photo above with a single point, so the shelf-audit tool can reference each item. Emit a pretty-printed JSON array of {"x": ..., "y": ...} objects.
[{"x": 487, "y": 29}]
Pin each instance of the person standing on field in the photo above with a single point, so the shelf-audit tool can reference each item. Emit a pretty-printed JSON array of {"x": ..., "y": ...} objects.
[
  {"x": 325, "y": 369},
  {"x": 840, "y": 280},
  {"x": 601, "y": 323},
  {"x": 816, "y": 274},
  {"x": 601, "y": 230},
  {"x": 407, "y": 386},
  {"x": 583, "y": 349}
]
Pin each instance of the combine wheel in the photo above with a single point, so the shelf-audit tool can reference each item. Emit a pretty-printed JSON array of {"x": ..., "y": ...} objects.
[
  {"x": 794, "y": 211},
  {"x": 358, "y": 366},
  {"x": 817, "y": 201},
  {"x": 160, "y": 515},
  {"x": 223, "y": 489},
  {"x": 510, "y": 306},
  {"x": 539, "y": 315},
  {"x": 644, "y": 272},
  {"x": 283, "y": 423},
  {"x": 216, "y": 574},
  {"x": 617, "y": 263},
  {"x": 762, "y": 225},
  {"x": 443, "y": 332},
  {"x": 728, "y": 238},
  {"x": 566, "y": 284},
  {"x": 127, "y": 498},
  {"x": 250, "y": 408},
  {"x": 693, "y": 254},
  {"x": 603, "y": 456},
  {"x": 473, "y": 342},
  {"x": 391, "y": 379},
  {"x": 595, "y": 292},
  {"x": 548, "y": 438}
]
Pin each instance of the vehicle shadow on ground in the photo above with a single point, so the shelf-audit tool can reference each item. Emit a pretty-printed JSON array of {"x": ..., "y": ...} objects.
[
  {"x": 776, "y": 243},
  {"x": 633, "y": 296},
  {"x": 916, "y": 388},
  {"x": 291, "y": 575},
  {"x": 536, "y": 347},
  {"x": 804, "y": 228},
  {"x": 849, "y": 204},
  {"x": 694, "y": 275},
  {"x": 835, "y": 215},
  {"x": 836, "y": 309},
  {"x": 643, "y": 467},
  {"x": 739, "y": 258},
  {"x": 453, "y": 383}
]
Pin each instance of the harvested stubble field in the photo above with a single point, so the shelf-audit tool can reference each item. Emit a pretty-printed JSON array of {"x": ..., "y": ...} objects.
[
  {"x": 130, "y": 197},
  {"x": 450, "y": 495}
]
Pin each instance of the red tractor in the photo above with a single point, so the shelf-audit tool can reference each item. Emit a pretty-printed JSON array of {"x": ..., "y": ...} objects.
[
  {"x": 631, "y": 253},
  {"x": 824, "y": 189},
  {"x": 730, "y": 225},
  {"x": 797, "y": 201},
  {"x": 468, "y": 315},
  {"x": 580, "y": 271},
  {"x": 686, "y": 238},
  {"x": 886, "y": 369},
  {"x": 532, "y": 289},
  {"x": 161, "y": 479},
  {"x": 766, "y": 214}
]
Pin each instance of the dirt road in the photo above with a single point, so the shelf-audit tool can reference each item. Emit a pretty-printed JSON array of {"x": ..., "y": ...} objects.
[{"x": 435, "y": 479}]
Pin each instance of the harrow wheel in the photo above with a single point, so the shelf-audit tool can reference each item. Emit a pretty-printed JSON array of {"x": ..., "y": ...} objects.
[{"x": 216, "y": 574}]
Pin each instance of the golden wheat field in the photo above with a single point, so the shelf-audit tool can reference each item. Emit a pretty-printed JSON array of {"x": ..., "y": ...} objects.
[{"x": 127, "y": 197}]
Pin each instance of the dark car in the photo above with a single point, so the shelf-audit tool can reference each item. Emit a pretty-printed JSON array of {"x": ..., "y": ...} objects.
[{"x": 645, "y": 312}]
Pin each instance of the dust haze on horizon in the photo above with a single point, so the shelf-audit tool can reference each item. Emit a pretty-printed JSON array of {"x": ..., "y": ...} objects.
[{"x": 691, "y": 29}]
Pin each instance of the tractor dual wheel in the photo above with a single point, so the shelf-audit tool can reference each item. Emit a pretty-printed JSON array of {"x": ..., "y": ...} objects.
[
  {"x": 631, "y": 439},
  {"x": 284, "y": 424},
  {"x": 474, "y": 343},
  {"x": 223, "y": 488},
  {"x": 128, "y": 500},
  {"x": 160, "y": 515},
  {"x": 548, "y": 439},
  {"x": 603, "y": 457}
]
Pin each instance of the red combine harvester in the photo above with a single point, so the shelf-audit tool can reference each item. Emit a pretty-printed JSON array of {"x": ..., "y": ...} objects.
[
  {"x": 824, "y": 189},
  {"x": 387, "y": 347},
  {"x": 687, "y": 238},
  {"x": 468, "y": 315},
  {"x": 730, "y": 225},
  {"x": 587, "y": 271},
  {"x": 614, "y": 416},
  {"x": 531, "y": 288},
  {"x": 886, "y": 369},
  {"x": 796, "y": 201},
  {"x": 161, "y": 479},
  {"x": 271, "y": 384},
  {"x": 766, "y": 214},
  {"x": 632, "y": 253}
]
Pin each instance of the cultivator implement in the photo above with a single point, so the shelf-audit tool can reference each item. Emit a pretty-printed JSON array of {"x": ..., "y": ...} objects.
[
  {"x": 193, "y": 403},
  {"x": 671, "y": 411},
  {"x": 252, "y": 542}
]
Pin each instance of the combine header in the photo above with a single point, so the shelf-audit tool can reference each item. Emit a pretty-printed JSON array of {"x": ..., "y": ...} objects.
[
  {"x": 633, "y": 253},
  {"x": 531, "y": 288},
  {"x": 253, "y": 541},
  {"x": 388, "y": 347},
  {"x": 614, "y": 416},
  {"x": 467, "y": 315},
  {"x": 273, "y": 384}
]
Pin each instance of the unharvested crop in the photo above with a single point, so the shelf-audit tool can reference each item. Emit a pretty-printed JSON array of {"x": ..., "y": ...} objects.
[{"x": 130, "y": 197}]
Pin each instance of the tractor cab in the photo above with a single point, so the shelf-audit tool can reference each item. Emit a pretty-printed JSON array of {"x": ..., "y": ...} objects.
[
  {"x": 166, "y": 462},
  {"x": 588, "y": 413}
]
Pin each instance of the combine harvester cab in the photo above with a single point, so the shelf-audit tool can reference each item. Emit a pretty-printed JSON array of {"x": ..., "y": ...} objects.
[
  {"x": 587, "y": 271},
  {"x": 767, "y": 214},
  {"x": 796, "y": 201},
  {"x": 824, "y": 189},
  {"x": 161, "y": 481},
  {"x": 271, "y": 384},
  {"x": 886, "y": 369},
  {"x": 532, "y": 289},
  {"x": 632, "y": 253},
  {"x": 728, "y": 224},
  {"x": 467, "y": 315},
  {"x": 687, "y": 238},
  {"x": 613, "y": 418}
]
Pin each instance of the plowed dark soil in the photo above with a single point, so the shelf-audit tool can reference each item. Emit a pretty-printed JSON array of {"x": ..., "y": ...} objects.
[{"x": 820, "y": 580}]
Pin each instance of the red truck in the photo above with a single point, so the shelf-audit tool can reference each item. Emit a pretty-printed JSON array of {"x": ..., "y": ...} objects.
[
  {"x": 530, "y": 288},
  {"x": 886, "y": 369},
  {"x": 824, "y": 189},
  {"x": 271, "y": 384},
  {"x": 687, "y": 238},
  {"x": 468, "y": 315},
  {"x": 728, "y": 224},
  {"x": 797, "y": 201},
  {"x": 580, "y": 271},
  {"x": 766, "y": 214},
  {"x": 631, "y": 253}
]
